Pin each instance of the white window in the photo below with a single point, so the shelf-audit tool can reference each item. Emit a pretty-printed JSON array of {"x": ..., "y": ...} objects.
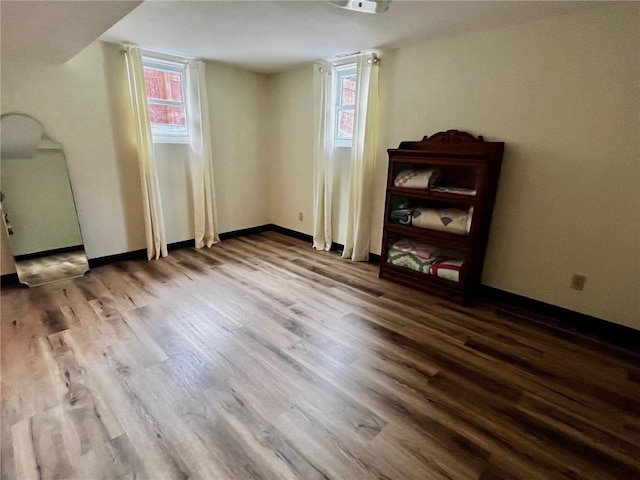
[
  {"x": 345, "y": 95},
  {"x": 166, "y": 95}
]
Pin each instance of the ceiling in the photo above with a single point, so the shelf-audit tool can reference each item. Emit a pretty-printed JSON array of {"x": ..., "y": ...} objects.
[
  {"x": 55, "y": 31},
  {"x": 263, "y": 36},
  {"x": 270, "y": 36}
]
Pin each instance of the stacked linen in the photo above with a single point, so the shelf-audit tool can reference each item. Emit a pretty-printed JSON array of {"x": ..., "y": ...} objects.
[
  {"x": 447, "y": 269},
  {"x": 402, "y": 214},
  {"x": 413, "y": 178},
  {"x": 411, "y": 254},
  {"x": 452, "y": 220},
  {"x": 424, "y": 258}
]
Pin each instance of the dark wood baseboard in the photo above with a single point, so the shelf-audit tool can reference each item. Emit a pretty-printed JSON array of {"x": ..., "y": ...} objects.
[
  {"x": 135, "y": 254},
  {"x": 118, "y": 257},
  {"x": 246, "y": 231},
  {"x": 142, "y": 253},
  {"x": 291, "y": 233},
  {"x": 9, "y": 279},
  {"x": 616, "y": 334},
  {"x": 183, "y": 244}
]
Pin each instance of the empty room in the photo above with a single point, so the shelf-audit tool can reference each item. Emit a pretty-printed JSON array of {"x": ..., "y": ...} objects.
[{"x": 348, "y": 239}]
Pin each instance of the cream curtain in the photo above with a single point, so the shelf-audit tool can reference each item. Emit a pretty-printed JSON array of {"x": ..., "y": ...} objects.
[
  {"x": 153, "y": 220},
  {"x": 200, "y": 158},
  {"x": 323, "y": 156},
  {"x": 363, "y": 157}
]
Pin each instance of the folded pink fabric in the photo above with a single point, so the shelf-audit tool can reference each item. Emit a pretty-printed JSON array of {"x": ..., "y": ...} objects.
[{"x": 418, "y": 249}]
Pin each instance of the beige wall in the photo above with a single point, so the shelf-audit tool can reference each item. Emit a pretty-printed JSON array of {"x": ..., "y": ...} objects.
[
  {"x": 563, "y": 93},
  {"x": 290, "y": 128},
  {"x": 72, "y": 102},
  {"x": 84, "y": 105},
  {"x": 172, "y": 160},
  {"x": 291, "y": 152},
  {"x": 238, "y": 111}
]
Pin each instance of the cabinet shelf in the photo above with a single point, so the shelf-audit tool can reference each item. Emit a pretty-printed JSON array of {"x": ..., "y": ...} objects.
[
  {"x": 423, "y": 281},
  {"x": 428, "y": 235},
  {"x": 462, "y": 160},
  {"x": 455, "y": 198}
]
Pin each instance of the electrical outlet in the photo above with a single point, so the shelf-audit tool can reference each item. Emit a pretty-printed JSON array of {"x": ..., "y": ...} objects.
[
  {"x": 577, "y": 282},
  {"x": 300, "y": 216}
]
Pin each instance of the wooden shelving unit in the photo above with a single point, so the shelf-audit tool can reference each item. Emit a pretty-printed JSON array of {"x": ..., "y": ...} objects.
[{"x": 463, "y": 161}]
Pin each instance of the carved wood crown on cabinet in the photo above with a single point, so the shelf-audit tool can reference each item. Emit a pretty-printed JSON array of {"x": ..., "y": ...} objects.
[
  {"x": 450, "y": 136},
  {"x": 461, "y": 161}
]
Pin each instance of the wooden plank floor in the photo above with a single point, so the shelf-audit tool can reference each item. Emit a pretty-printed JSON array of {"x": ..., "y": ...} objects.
[
  {"x": 52, "y": 268},
  {"x": 261, "y": 358}
]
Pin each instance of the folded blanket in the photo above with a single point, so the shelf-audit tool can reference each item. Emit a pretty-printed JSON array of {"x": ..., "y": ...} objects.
[
  {"x": 402, "y": 216},
  {"x": 410, "y": 261},
  {"x": 451, "y": 220},
  {"x": 418, "y": 249},
  {"x": 416, "y": 178},
  {"x": 447, "y": 269}
]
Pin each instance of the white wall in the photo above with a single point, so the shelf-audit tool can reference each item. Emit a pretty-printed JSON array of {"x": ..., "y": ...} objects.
[
  {"x": 290, "y": 128},
  {"x": 238, "y": 112},
  {"x": 239, "y": 115},
  {"x": 564, "y": 94},
  {"x": 291, "y": 152},
  {"x": 72, "y": 102},
  {"x": 84, "y": 105},
  {"x": 174, "y": 178}
]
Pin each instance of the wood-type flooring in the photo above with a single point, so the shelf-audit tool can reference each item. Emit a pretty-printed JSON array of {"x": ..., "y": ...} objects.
[
  {"x": 52, "y": 268},
  {"x": 261, "y": 358}
]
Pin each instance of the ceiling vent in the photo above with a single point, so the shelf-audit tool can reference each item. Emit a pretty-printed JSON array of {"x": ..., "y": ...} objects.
[{"x": 367, "y": 6}]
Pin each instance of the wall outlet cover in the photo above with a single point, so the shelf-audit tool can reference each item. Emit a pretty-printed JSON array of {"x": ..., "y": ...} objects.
[{"x": 577, "y": 282}]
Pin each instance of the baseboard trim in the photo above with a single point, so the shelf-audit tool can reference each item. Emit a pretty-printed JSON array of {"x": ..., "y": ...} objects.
[
  {"x": 291, "y": 233},
  {"x": 118, "y": 257},
  {"x": 613, "y": 333},
  {"x": 246, "y": 231},
  {"x": 46, "y": 253},
  {"x": 9, "y": 279},
  {"x": 142, "y": 253}
]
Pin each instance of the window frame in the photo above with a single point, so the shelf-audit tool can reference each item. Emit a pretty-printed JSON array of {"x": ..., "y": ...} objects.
[
  {"x": 341, "y": 72},
  {"x": 162, "y": 133}
]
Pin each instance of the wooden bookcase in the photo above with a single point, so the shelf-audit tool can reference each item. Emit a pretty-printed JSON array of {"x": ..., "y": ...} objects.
[{"x": 461, "y": 161}]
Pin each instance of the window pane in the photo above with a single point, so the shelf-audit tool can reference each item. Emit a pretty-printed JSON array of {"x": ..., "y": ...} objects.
[
  {"x": 348, "y": 89},
  {"x": 163, "y": 85},
  {"x": 345, "y": 124},
  {"x": 167, "y": 114}
]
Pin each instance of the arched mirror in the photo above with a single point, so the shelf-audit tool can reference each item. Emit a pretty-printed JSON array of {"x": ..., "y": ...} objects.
[{"x": 38, "y": 209}]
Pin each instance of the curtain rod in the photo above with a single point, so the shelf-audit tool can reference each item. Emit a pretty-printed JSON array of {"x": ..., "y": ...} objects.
[
  {"x": 375, "y": 59},
  {"x": 145, "y": 51}
]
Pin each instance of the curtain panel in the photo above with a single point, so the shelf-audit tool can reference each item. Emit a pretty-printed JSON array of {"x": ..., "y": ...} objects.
[
  {"x": 200, "y": 157},
  {"x": 153, "y": 219},
  {"x": 323, "y": 156},
  {"x": 363, "y": 158}
]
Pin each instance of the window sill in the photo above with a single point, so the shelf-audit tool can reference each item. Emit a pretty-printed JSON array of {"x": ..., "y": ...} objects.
[{"x": 179, "y": 140}]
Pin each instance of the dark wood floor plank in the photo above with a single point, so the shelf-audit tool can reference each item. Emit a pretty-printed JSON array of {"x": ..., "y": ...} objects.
[{"x": 263, "y": 358}]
